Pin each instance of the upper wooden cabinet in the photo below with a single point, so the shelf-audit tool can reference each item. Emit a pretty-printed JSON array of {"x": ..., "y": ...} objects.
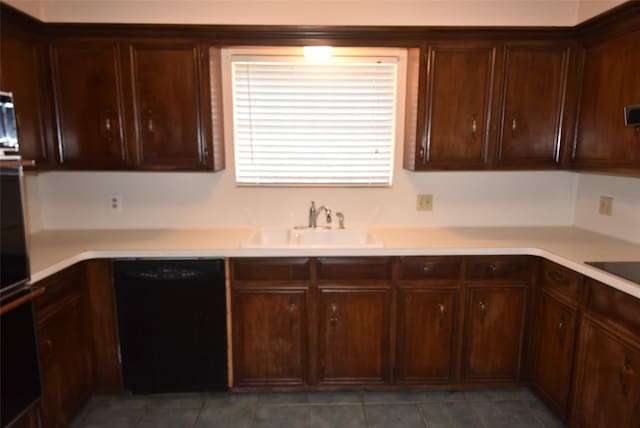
[
  {"x": 533, "y": 95},
  {"x": 87, "y": 91},
  {"x": 168, "y": 105},
  {"x": 481, "y": 105},
  {"x": 610, "y": 81},
  {"x": 459, "y": 86},
  {"x": 140, "y": 105},
  {"x": 22, "y": 73}
]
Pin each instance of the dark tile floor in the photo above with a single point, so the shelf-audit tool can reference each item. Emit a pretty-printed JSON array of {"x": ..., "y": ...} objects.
[{"x": 512, "y": 408}]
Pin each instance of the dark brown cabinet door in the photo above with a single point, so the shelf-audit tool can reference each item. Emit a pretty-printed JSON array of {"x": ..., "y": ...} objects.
[
  {"x": 554, "y": 348},
  {"x": 21, "y": 74},
  {"x": 494, "y": 333},
  {"x": 426, "y": 335},
  {"x": 533, "y": 102},
  {"x": 167, "y": 101},
  {"x": 65, "y": 361},
  {"x": 270, "y": 336},
  {"x": 353, "y": 335},
  {"x": 607, "y": 388},
  {"x": 610, "y": 82},
  {"x": 86, "y": 81},
  {"x": 458, "y": 104}
]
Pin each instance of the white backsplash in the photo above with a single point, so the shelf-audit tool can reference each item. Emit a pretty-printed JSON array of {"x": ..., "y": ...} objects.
[{"x": 80, "y": 200}]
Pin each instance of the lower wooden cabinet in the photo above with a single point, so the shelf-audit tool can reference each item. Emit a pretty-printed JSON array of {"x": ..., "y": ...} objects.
[
  {"x": 607, "y": 384},
  {"x": 427, "y": 332},
  {"x": 353, "y": 335},
  {"x": 65, "y": 347},
  {"x": 554, "y": 351},
  {"x": 270, "y": 336},
  {"x": 494, "y": 333}
]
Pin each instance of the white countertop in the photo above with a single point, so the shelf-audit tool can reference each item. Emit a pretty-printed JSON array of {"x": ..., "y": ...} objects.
[{"x": 52, "y": 251}]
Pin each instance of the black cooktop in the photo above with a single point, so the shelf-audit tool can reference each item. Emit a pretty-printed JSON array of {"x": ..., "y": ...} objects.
[{"x": 626, "y": 270}]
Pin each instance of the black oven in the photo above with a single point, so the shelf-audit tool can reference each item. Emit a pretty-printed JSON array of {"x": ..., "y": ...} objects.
[
  {"x": 14, "y": 262},
  {"x": 19, "y": 371}
]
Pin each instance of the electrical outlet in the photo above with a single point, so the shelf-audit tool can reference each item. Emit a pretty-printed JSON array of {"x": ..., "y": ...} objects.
[
  {"x": 606, "y": 205},
  {"x": 115, "y": 203},
  {"x": 424, "y": 203}
]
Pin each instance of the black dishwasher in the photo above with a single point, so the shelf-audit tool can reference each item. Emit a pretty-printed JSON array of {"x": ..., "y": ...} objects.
[{"x": 172, "y": 324}]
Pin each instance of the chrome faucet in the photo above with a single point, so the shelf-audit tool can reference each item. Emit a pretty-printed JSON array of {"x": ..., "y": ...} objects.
[{"x": 314, "y": 213}]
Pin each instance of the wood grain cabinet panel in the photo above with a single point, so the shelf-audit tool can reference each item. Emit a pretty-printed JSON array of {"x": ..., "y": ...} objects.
[
  {"x": 607, "y": 386},
  {"x": 426, "y": 335},
  {"x": 532, "y": 105},
  {"x": 86, "y": 82},
  {"x": 610, "y": 82},
  {"x": 494, "y": 333},
  {"x": 65, "y": 347},
  {"x": 21, "y": 73},
  {"x": 167, "y": 104},
  {"x": 353, "y": 335},
  {"x": 459, "y": 87},
  {"x": 555, "y": 329},
  {"x": 270, "y": 336}
]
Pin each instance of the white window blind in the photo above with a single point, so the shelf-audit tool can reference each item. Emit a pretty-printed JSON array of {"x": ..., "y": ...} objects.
[{"x": 303, "y": 122}]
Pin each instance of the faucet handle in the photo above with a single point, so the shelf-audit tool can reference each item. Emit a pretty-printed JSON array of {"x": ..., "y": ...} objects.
[{"x": 340, "y": 220}]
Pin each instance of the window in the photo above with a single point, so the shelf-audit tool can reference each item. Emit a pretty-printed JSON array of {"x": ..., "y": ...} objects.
[{"x": 314, "y": 122}]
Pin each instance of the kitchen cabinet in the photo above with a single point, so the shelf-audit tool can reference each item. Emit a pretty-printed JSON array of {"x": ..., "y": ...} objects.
[
  {"x": 555, "y": 327},
  {"x": 354, "y": 302},
  {"x": 353, "y": 335},
  {"x": 22, "y": 73},
  {"x": 269, "y": 307},
  {"x": 553, "y": 360},
  {"x": 89, "y": 105},
  {"x": 270, "y": 335},
  {"x": 64, "y": 340},
  {"x": 454, "y": 132},
  {"x": 428, "y": 311},
  {"x": 169, "y": 105},
  {"x": 494, "y": 333},
  {"x": 610, "y": 81},
  {"x": 496, "y": 302},
  {"x": 607, "y": 386},
  {"x": 533, "y": 96}
]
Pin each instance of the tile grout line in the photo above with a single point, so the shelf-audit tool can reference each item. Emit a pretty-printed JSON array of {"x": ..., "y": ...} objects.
[
  {"x": 475, "y": 412},
  {"x": 424, "y": 419},
  {"x": 535, "y": 417}
]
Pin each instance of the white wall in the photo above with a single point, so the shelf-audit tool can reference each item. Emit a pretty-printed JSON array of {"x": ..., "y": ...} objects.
[
  {"x": 625, "y": 221},
  {"x": 590, "y": 8},
  {"x": 313, "y": 12},
  {"x": 70, "y": 200}
]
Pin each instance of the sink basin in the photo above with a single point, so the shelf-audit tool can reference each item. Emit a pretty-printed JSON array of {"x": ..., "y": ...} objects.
[{"x": 311, "y": 238}]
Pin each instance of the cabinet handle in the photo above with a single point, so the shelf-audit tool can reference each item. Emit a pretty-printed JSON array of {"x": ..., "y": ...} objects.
[
  {"x": 474, "y": 127},
  {"x": 423, "y": 153},
  {"x": 334, "y": 313},
  {"x": 49, "y": 345},
  {"x": 426, "y": 268},
  {"x": 483, "y": 311},
  {"x": 292, "y": 310},
  {"x": 514, "y": 124},
  {"x": 624, "y": 383},
  {"x": 150, "y": 120},
  {"x": 561, "y": 330},
  {"x": 441, "y": 317},
  {"x": 108, "y": 127},
  {"x": 491, "y": 267}
]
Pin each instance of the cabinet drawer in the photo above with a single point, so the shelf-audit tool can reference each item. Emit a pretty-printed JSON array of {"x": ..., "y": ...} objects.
[
  {"x": 356, "y": 268},
  {"x": 59, "y": 286},
  {"x": 275, "y": 269},
  {"x": 498, "y": 268},
  {"x": 615, "y": 305},
  {"x": 424, "y": 268},
  {"x": 560, "y": 279}
]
